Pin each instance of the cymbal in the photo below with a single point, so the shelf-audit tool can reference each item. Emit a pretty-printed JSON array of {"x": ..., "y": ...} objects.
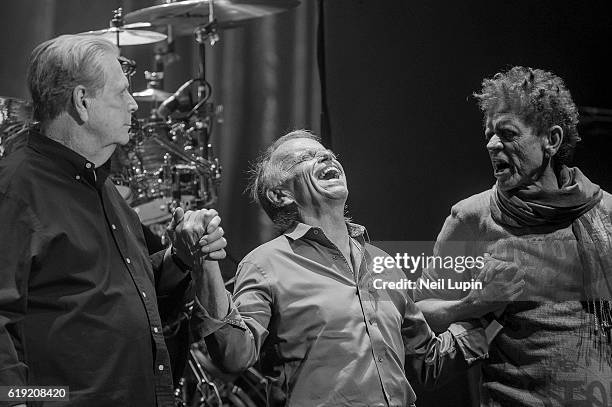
[
  {"x": 127, "y": 36},
  {"x": 151, "y": 95},
  {"x": 185, "y": 16}
]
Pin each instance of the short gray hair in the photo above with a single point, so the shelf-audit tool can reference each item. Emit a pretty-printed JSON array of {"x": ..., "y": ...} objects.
[
  {"x": 266, "y": 176},
  {"x": 58, "y": 65}
]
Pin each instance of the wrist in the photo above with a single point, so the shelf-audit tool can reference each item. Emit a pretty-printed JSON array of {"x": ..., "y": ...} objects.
[{"x": 472, "y": 306}]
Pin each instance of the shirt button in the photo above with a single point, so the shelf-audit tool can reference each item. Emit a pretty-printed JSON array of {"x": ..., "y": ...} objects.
[
  {"x": 144, "y": 294},
  {"x": 160, "y": 367},
  {"x": 127, "y": 260},
  {"x": 88, "y": 165},
  {"x": 78, "y": 177},
  {"x": 316, "y": 232},
  {"x": 114, "y": 227},
  {"x": 155, "y": 329},
  {"x": 380, "y": 359}
]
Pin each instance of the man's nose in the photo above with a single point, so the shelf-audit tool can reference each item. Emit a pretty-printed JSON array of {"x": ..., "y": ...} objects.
[
  {"x": 132, "y": 105},
  {"x": 494, "y": 143},
  {"x": 326, "y": 156}
]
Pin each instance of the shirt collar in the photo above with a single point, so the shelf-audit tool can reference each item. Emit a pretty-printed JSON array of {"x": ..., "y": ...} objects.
[
  {"x": 71, "y": 161},
  {"x": 300, "y": 229}
]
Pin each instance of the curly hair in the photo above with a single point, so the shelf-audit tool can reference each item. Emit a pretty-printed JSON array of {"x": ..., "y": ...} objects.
[
  {"x": 539, "y": 97},
  {"x": 266, "y": 175},
  {"x": 58, "y": 65}
]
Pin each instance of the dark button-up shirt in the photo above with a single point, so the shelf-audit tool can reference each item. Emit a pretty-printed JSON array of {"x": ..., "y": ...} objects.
[
  {"x": 328, "y": 335},
  {"x": 78, "y": 303}
]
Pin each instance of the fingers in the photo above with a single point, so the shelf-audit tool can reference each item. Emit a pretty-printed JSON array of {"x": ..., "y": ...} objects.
[
  {"x": 213, "y": 224},
  {"x": 518, "y": 290},
  {"x": 173, "y": 227},
  {"x": 217, "y": 255},
  {"x": 177, "y": 217},
  {"x": 500, "y": 270},
  {"x": 211, "y": 237},
  {"x": 518, "y": 276},
  {"x": 200, "y": 219},
  {"x": 482, "y": 275},
  {"x": 214, "y": 246}
]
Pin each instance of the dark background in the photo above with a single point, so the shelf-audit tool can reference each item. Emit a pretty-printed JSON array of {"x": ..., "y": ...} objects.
[{"x": 399, "y": 79}]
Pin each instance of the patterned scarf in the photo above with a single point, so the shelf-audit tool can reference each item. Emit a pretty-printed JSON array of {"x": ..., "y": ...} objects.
[{"x": 576, "y": 203}]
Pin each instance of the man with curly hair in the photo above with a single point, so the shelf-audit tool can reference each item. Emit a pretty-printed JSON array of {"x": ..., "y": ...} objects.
[{"x": 553, "y": 344}]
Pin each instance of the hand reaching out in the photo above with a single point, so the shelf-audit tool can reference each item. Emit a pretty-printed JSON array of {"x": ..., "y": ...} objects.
[{"x": 502, "y": 282}]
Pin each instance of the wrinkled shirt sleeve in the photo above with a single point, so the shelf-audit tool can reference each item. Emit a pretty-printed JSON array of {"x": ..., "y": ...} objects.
[
  {"x": 432, "y": 359},
  {"x": 234, "y": 342}
]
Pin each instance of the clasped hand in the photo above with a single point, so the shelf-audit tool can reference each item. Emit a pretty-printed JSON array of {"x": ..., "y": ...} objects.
[
  {"x": 502, "y": 282},
  {"x": 196, "y": 234}
]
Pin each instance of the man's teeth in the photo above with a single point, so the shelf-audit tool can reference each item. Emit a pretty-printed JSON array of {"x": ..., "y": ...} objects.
[
  {"x": 329, "y": 173},
  {"x": 500, "y": 166}
]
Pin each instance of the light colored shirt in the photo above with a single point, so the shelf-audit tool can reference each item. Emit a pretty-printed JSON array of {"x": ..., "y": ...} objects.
[{"x": 325, "y": 334}]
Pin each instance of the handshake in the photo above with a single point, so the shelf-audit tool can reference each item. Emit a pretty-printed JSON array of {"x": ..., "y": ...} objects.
[{"x": 196, "y": 235}]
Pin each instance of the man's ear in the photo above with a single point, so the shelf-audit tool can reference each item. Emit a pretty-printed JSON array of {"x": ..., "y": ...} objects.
[
  {"x": 553, "y": 140},
  {"x": 80, "y": 103},
  {"x": 279, "y": 197}
]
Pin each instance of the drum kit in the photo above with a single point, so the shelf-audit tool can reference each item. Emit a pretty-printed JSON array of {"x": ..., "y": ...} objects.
[{"x": 169, "y": 161}]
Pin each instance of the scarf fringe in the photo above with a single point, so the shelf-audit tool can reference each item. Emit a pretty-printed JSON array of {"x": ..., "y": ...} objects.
[{"x": 600, "y": 328}]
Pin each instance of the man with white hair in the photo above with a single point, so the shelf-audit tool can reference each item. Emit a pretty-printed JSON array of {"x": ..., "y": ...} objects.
[{"x": 79, "y": 293}]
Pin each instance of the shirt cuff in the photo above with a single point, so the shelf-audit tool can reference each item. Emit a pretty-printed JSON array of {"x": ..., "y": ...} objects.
[
  {"x": 178, "y": 262},
  {"x": 471, "y": 340},
  {"x": 208, "y": 325}
]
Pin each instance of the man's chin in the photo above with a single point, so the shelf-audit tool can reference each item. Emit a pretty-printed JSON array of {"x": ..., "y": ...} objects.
[
  {"x": 507, "y": 184},
  {"x": 337, "y": 193}
]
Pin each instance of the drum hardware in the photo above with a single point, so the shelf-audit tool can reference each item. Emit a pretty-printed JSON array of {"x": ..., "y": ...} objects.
[
  {"x": 126, "y": 35},
  {"x": 204, "y": 383},
  {"x": 154, "y": 92},
  {"x": 16, "y": 117},
  {"x": 155, "y": 79},
  {"x": 185, "y": 16},
  {"x": 216, "y": 388}
]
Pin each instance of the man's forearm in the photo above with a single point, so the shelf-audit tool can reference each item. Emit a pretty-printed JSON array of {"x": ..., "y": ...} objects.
[
  {"x": 441, "y": 313},
  {"x": 210, "y": 288}
]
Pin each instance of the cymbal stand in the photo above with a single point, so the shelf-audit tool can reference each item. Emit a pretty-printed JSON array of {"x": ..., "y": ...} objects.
[
  {"x": 204, "y": 381},
  {"x": 204, "y": 111},
  {"x": 117, "y": 22}
]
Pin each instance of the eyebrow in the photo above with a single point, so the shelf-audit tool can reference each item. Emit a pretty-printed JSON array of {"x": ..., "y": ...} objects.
[{"x": 502, "y": 122}]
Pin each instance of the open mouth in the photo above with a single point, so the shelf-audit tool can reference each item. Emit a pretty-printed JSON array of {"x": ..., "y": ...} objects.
[
  {"x": 329, "y": 173},
  {"x": 501, "y": 167}
]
